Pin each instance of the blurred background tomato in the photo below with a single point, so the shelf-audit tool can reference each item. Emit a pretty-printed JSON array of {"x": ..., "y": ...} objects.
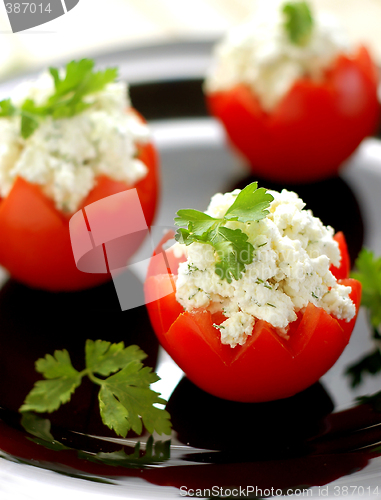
[{"x": 98, "y": 26}]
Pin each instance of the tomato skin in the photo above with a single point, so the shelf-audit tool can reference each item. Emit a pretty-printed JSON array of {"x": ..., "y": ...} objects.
[
  {"x": 315, "y": 127},
  {"x": 266, "y": 367},
  {"x": 341, "y": 272},
  {"x": 36, "y": 247}
]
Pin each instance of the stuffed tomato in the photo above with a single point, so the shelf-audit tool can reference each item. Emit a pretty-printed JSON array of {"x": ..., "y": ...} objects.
[
  {"x": 253, "y": 303},
  {"x": 295, "y": 97},
  {"x": 67, "y": 140}
]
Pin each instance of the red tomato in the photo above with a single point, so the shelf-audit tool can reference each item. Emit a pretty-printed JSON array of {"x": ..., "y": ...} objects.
[
  {"x": 35, "y": 241},
  {"x": 315, "y": 127},
  {"x": 342, "y": 272},
  {"x": 267, "y": 366}
]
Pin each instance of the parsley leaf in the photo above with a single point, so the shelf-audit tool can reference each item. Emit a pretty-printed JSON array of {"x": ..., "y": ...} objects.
[
  {"x": 127, "y": 393},
  {"x": 7, "y": 108},
  {"x": 28, "y": 125},
  {"x": 63, "y": 379},
  {"x": 232, "y": 249},
  {"x": 250, "y": 205},
  {"x": 68, "y": 99},
  {"x": 199, "y": 226},
  {"x": 194, "y": 216},
  {"x": 298, "y": 23},
  {"x": 233, "y": 252},
  {"x": 56, "y": 366},
  {"x": 105, "y": 358},
  {"x": 48, "y": 395},
  {"x": 369, "y": 274},
  {"x": 126, "y": 400}
]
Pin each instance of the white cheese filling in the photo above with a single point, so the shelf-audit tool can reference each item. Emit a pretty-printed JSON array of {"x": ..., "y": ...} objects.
[
  {"x": 260, "y": 55},
  {"x": 293, "y": 251},
  {"x": 64, "y": 156}
]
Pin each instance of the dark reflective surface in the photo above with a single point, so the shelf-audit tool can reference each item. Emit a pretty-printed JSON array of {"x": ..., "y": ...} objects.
[
  {"x": 281, "y": 445},
  {"x": 273, "y": 430},
  {"x": 169, "y": 99},
  {"x": 34, "y": 323}
]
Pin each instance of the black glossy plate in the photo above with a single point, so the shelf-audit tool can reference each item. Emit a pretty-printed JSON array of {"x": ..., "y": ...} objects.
[{"x": 322, "y": 439}]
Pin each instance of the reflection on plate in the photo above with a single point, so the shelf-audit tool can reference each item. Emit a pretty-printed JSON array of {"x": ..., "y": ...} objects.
[{"x": 321, "y": 437}]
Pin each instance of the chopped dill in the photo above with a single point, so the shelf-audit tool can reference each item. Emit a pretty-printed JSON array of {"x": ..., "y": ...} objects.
[{"x": 219, "y": 327}]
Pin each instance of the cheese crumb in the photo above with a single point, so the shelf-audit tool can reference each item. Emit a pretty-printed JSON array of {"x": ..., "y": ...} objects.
[
  {"x": 65, "y": 156},
  {"x": 293, "y": 251},
  {"x": 260, "y": 55}
]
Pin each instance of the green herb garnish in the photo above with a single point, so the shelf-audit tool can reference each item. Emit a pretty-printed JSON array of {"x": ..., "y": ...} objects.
[
  {"x": 374, "y": 400},
  {"x": 261, "y": 282},
  {"x": 7, "y": 108},
  {"x": 219, "y": 327},
  {"x": 232, "y": 249},
  {"x": 125, "y": 398},
  {"x": 153, "y": 452},
  {"x": 40, "y": 428},
  {"x": 79, "y": 81},
  {"x": 369, "y": 274},
  {"x": 370, "y": 364},
  {"x": 298, "y": 23}
]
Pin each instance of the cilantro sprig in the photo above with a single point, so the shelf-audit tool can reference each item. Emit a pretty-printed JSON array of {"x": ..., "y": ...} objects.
[
  {"x": 298, "y": 22},
  {"x": 232, "y": 249},
  {"x": 369, "y": 274},
  {"x": 68, "y": 99},
  {"x": 126, "y": 400}
]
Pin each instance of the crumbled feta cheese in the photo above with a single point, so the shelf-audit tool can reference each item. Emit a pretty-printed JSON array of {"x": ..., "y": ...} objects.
[
  {"x": 259, "y": 54},
  {"x": 65, "y": 156},
  {"x": 293, "y": 251}
]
